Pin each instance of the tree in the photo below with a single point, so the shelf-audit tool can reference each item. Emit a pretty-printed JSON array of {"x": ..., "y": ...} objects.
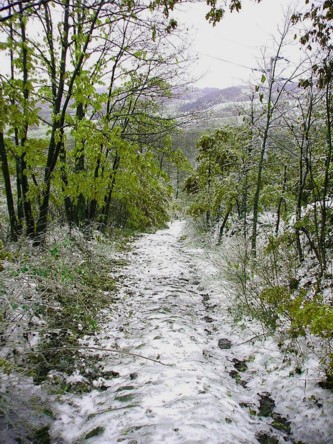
[
  {"x": 103, "y": 68},
  {"x": 14, "y": 225},
  {"x": 218, "y": 181},
  {"x": 275, "y": 82}
]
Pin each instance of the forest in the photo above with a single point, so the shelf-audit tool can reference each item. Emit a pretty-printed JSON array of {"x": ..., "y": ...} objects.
[{"x": 93, "y": 154}]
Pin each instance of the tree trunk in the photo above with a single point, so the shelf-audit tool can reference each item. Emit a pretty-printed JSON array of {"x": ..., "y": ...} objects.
[
  {"x": 106, "y": 209},
  {"x": 257, "y": 196},
  {"x": 261, "y": 164},
  {"x": 79, "y": 207},
  {"x": 14, "y": 231},
  {"x": 281, "y": 200},
  {"x": 67, "y": 200},
  {"x": 223, "y": 226},
  {"x": 41, "y": 226},
  {"x": 325, "y": 188},
  {"x": 29, "y": 219},
  {"x": 30, "y": 223},
  {"x": 20, "y": 210}
]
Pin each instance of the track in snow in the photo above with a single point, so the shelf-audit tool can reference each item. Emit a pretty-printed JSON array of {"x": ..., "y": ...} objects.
[{"x": 165, "y": 312}]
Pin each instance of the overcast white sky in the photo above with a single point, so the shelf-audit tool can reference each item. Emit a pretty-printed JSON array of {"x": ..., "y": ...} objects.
[
  {"x": 238, "y": 39},
  {"x": 227, "y": 52}
]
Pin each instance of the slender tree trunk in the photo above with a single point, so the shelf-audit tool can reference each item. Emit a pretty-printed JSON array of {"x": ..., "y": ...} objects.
[
  {"x": 14, "y": 230},
  {"x": 281, "y": 201},
  {"x": 20, "y": 209},
  {"x": 304, "y": 169},
  {"x": 30, "y": 223},
  {"x": 79, "y": 207},
  {"x": 222, "y": 227},
  {"x": 301, "y": 185},
  {"x": 177, "y": 182},
  {"x": 209, "y": 183},
  {"x": 261, "y": 162},
  {"x": 314, "y": 239},
  {"x": 45, "y": 198},
  {"x": 106, "y": 209},
  {"x": 325, "y": 188},
  {"x": 67, "y": 201},
  {"x": 29, "y": 219},
  {"x": 79, "y": 210},
  {"x": 247, "y": 154},
  {"x": 303, "y": 141},
  {"x": 271, "y": 105},
  {"x": 257, "y": 196}
]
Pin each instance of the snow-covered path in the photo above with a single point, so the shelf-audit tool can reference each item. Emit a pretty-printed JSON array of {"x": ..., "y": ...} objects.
[{"x": 205, "y": 389}]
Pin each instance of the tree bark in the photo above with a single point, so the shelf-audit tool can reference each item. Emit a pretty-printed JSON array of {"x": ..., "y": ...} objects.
[
  {"x": 222, "y": 227},
  {"x": 281, "y": 200},
  {"x": 9, "y": 195}
]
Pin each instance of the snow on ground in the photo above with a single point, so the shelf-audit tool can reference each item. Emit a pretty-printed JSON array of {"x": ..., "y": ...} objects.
[{"x": 211, "y": 381}]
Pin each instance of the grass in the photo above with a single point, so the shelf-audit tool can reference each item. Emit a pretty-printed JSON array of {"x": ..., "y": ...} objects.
[{"x": 50, "y": 298}]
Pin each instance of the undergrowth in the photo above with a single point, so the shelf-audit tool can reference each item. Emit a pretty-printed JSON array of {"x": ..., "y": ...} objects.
[
  {"x": 50, "y": 298},
  {"x": 290, "y": 300},
  {"x": 286, "y": 298}
]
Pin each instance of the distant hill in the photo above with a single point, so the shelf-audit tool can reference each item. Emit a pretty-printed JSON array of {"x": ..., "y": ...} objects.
[
  {"x": 206, "y": 98},
  {"x": 213, "y": 107}
]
